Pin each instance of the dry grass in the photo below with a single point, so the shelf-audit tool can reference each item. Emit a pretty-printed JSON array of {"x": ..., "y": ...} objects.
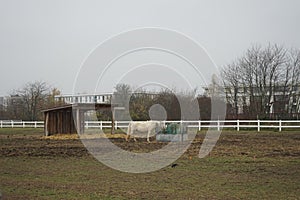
[
  {"x": 62, "y": 137},
  {"x": 86, "y": 136}
]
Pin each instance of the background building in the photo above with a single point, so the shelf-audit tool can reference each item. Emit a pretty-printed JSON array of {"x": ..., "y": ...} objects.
[
  {"x": 278, "y": 102},
  {"x": 84, "y": 98}
]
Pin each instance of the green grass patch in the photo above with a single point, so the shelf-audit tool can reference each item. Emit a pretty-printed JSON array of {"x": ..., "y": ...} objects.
[{"x": 21, "y": 131}]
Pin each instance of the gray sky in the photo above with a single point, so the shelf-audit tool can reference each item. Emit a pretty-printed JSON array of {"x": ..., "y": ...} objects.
[{"x": 49, "y": 40}]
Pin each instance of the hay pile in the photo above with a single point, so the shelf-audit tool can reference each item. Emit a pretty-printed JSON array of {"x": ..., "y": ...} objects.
[
  {"x": 62, "y": 137},
  {"x": 86, "y": 136}
]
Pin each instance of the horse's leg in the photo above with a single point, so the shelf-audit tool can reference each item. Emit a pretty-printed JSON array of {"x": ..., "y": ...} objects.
[
  {"x": 127, "y": 137},
  {"x": 148, "y": 136}
]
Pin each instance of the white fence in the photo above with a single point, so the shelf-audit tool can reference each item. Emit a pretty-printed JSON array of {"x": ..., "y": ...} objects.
[
  {"x": 217, "y": 124},
  {"x": 21, "y": 124}
]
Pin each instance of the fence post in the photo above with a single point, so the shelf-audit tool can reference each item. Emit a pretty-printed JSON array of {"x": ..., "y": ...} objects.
[
  {"x": 87, "y": 125},
  {"x": 218, "y": 125},
  {"x": 35, "y": 124},
  {"x": 12, "y": 124},
  {"x": 238, "y": 125},
  {"x": 199, "y": 125},
  {"x": 1, "y": 125},
  {"x": 280, "y": 125},
  {"x": 23, "y": 124},
  {"x": 258, "y": 125},
  {"x": 101, "y": 126}
]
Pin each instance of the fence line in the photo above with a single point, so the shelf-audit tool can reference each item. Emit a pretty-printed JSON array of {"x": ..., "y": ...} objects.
[
  {"x": 21, "y": 124},
  {"x": 218, "y": 124}
]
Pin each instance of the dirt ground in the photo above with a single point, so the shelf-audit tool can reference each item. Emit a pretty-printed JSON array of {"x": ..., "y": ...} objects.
[
  {"x": 253, "y": 144},
  {"x": 243, "y": 165}
]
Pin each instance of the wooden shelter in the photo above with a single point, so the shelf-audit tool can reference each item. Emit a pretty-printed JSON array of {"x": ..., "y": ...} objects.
[{"x": 68, "y": 118}]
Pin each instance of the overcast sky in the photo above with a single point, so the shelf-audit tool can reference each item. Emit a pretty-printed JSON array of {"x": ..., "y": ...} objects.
[{"x": 48, "y": 40}]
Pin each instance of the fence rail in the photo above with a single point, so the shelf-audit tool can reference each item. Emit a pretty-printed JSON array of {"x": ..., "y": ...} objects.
[
  {"x": 21, "y": 124},
  {"x": 217, "y": 124}
]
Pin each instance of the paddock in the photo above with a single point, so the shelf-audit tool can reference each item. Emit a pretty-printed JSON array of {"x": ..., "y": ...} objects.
[{"x": 243, "y": 165}]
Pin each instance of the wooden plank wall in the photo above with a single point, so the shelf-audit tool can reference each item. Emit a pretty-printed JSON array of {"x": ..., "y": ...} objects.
[{"x": 59, "y": 122}]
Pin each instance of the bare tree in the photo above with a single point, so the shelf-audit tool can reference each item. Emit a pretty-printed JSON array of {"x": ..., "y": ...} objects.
[
  {"x": 34, "y": 95},
  {"x": 122, "y": 94},
  {"x": 15, "y": 108},
  {"x": 292, "y": 80},
  {"x": 259, "y": 76},
  {"x": 139, "y": 105},
  {"x": 121, "y": 98},
  {"x": 232, "y": 83},
  {"x": 168, "y": 99}
]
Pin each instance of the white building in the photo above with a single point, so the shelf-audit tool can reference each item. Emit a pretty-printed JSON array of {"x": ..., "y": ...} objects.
[
  {"x": 84, "y": 98},
  {"x": 282, "y": 99},
  {"x": 3, "y": 101},
  {"x": 93, "y": 98}
]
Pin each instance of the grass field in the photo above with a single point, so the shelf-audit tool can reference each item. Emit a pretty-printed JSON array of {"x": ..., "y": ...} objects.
[{"x": 243, "y": 165}]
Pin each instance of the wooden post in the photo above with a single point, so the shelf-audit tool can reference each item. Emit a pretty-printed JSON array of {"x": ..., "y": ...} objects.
[
  {"x": 181, "y": 130},
  {"x": 78, "y": 125},
  {"x": 81, "y": 118},
  {"x": 280, "y": 126},
  {"x": 113, "y": 122},
  {"x": 46, "y": 124}
]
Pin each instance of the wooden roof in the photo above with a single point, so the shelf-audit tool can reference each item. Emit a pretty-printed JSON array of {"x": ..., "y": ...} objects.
[{"x": 81, "y": 106}]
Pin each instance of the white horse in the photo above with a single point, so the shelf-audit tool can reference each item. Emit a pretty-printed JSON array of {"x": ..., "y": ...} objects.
[{"x": 138, "y": 129}]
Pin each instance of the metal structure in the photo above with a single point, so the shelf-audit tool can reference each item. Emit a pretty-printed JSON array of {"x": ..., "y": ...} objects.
[{"x": 175, "y": 131}]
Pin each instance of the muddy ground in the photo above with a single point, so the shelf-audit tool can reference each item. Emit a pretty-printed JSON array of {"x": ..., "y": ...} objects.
[
  {"x": 253, "y": 144},
  {"x": 243, "y": 165}
]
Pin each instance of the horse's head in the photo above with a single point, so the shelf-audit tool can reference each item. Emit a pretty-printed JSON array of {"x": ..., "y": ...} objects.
[{"x": 160, "y": 125}]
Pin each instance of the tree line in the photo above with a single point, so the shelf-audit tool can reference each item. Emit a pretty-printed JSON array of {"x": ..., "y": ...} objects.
[
  {"x": 263, "y": 83},
  {"x": 176, "y": 105},
  {"x": 27, "y": 102}
]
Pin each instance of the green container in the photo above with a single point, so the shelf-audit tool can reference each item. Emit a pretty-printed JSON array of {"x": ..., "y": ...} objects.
[{"x": 173, "y": 128}]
